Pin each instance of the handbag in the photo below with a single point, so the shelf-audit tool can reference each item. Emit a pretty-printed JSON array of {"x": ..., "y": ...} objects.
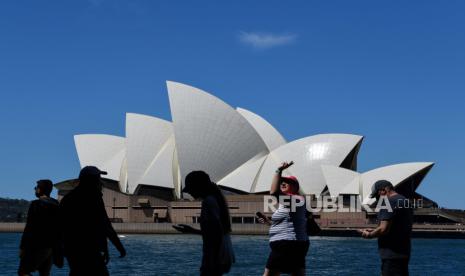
[{"x": 313, "y": 228}]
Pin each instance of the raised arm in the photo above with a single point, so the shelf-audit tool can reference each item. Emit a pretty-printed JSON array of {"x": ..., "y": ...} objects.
[{"x": 274, "y": 189}]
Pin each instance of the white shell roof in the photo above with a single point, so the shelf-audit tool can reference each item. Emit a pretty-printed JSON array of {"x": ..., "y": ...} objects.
[
  {"x": 176, "y": 174},
  {"x": 243, "y": 178},
  {"x": 160, "y": 172},
  {"x": 393, "y": 173},
  {"x": 123, "y": 178},
  {"x": 308, "y": 155},
  {"x": 210, "y": 135},
  {"x": 272, "y": 138},
  {"x": 237, "y": 148},
  {"x": 145, "y": 137},
  {"x": 106, "y": 152},
  {"x": 341, "y": 181}
]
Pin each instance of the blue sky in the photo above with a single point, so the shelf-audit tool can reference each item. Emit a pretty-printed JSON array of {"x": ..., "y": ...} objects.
[{"x": 393, "y": 71}]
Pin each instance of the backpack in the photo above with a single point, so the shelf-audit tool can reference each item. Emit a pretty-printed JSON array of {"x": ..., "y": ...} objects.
[{"x": 313, "y": 228}]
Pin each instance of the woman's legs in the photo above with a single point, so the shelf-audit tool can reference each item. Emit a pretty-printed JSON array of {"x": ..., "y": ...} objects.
[{"x": 269, "y": 272}]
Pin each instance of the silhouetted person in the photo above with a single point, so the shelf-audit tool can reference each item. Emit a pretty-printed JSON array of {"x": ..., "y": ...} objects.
[
  {"x": 215, "y": 224},
  {"x": 40, "y": 236},
  {"x": 393, "y": 231},
  {"x": 86, "y": 226}
]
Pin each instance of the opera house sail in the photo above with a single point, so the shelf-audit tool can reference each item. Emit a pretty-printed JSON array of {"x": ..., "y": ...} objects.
[{"x": 239, "y": 149}]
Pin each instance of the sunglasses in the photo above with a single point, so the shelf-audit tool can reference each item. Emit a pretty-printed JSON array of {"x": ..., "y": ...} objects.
[{"x": 284, "y": 183}]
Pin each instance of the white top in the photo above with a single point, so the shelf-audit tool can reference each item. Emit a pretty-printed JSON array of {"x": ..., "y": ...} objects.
[{"x": 288, "y": 225}]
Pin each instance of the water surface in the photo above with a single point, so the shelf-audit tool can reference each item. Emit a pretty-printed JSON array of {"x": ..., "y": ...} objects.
[{"x": 180, "y": 255}]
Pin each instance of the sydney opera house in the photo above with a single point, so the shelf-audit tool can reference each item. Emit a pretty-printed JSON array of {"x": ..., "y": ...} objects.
[{"x": 238, "y": 149}]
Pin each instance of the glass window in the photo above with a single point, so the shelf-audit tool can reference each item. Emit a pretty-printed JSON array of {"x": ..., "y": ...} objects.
[
  {"x": 236, "y": 219},
  {"x": 249, "y": 220}
]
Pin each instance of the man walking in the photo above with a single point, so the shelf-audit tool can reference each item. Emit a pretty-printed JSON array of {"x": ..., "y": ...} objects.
[
  {"x": 40, "y": 236},
  {"x": 86, "y": 226},
  {"x": 393, "y": 231}
]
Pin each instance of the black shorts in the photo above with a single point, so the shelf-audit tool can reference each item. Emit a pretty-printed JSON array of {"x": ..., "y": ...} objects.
[
  {"x": 287, "y": 256},
  {"x": 397, "y": 267},
  {"x": 86, "y": 263},
  {"x": 36, "y": 260}
]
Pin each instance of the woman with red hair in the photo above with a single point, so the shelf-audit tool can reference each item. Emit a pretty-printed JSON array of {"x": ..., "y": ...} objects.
[{"x": 288, "y": 227}]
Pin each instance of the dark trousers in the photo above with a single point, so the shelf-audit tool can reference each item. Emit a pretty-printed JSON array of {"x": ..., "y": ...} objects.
[
  {"x": 394, "y": 267},
  {"x": 210, "y": 273},
  {"x": 91, "y": 263},
  {"x": 36, "y": 260}
]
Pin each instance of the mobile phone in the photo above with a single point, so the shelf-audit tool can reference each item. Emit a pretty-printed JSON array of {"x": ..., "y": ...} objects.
[{"x": 260, "y": 215}]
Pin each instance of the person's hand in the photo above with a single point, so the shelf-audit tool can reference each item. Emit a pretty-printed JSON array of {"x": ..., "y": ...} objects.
[
  {"x": 264, "y": 221},
  {"x": 285, "y": 165},
  {"x": 184, "y": 228},
  {"x": 261, "y": 218},
  {"x": 106, "y": 257},
  {"x": 122, "y": 252},
  {"x": 365, "y": 233}
]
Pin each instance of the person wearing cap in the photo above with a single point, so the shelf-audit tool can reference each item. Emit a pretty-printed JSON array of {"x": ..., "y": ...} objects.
[
  {"x": 288, "y": 227},
  {"x": 394, "y": 229},
  {"x": 40, "y": 236},
  {"x": 215, "y": 224},
  {"x": 86, "y": 226}
]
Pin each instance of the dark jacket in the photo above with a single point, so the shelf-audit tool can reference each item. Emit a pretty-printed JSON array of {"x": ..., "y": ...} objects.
[
  {"x": 41, "y": 229},
  {"x": 85, "y": 223}
]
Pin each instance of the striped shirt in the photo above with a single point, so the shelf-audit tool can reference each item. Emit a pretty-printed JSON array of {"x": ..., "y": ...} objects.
[{"x": 288, "y": 225}]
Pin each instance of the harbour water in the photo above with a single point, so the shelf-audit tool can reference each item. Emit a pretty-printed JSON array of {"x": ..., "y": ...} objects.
[{"x": 180, "y": 255}]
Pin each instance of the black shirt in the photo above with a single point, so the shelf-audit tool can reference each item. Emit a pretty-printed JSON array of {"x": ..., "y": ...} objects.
[
  {"x": 84, "y": 222},
  {"x": 212, "y": 234},
  {"x": 396, "y": 242},
  {"x": 41, "y": 229}
]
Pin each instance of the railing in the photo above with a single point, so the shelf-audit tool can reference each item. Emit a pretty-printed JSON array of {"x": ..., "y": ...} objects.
[{"x": 12, "y": 226}]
